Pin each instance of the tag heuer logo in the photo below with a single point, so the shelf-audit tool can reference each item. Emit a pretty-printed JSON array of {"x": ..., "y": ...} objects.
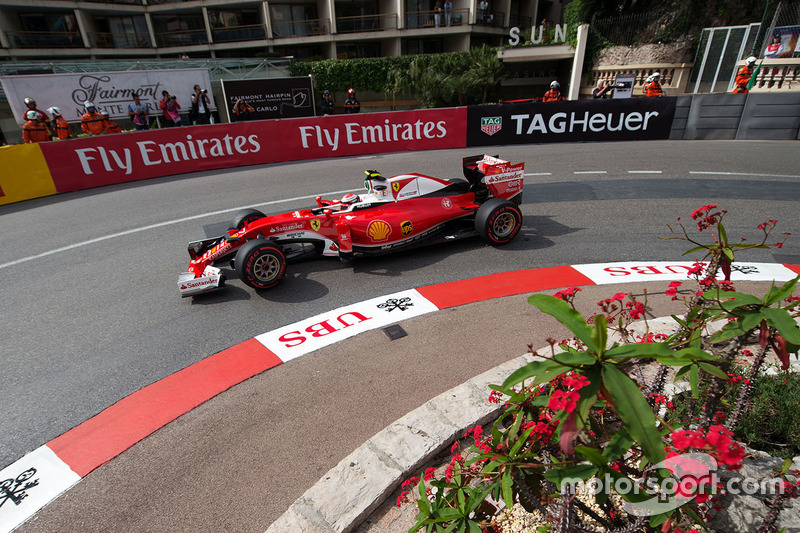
[{"x": 491, "y": 125}]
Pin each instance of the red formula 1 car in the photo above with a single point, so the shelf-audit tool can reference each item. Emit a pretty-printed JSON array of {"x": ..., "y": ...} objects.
[{"x": 394, "y": 214}]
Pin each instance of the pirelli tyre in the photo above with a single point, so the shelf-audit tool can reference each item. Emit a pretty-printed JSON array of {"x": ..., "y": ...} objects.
[
  {"x": 498, "y": 221},
  {"x": 246, "y": 216},
  {"x": 260, "y": 264}
]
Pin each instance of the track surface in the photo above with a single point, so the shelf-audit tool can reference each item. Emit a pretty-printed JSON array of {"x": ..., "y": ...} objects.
[{"x": 92, "y": 311}]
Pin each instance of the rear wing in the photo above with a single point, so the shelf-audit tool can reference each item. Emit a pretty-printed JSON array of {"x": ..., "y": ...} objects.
[{"x": 501, "y": 178}]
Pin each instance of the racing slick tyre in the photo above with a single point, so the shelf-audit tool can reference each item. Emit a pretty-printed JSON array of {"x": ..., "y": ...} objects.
[
  {"x": 498, "y": 221},
  {"x": 260, "y": 264},
  {"x": 246, "y": 216}
]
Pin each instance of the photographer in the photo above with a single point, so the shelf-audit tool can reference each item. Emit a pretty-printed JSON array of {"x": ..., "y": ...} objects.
[
  {"x": 138, "y": 113},
  {"x": 200, "y": 113},
  {"x": 171, "y": 109},
  {"x": 602, "y": 90},
  {"x": 241, "y": 111}
]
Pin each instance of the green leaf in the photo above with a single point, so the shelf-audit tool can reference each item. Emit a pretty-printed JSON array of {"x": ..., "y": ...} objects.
[
  {"x": 723, "y": 237},
  {"x": 695, "y": 249},
  {"x": 618, "y": 446},
  {"x": 787, "y": 464},
  {"x": 777, "y": 294},
  {"x": 521, "y": 440},
  {"x": 508, "y": 495},
  {"x": 541, "y": 371},
  {"x": 600, "y": 333},
  {"x": 474, "y": 527},
  {"x": 592, "y": 455},
  {"x": 570, "y": 473},
  {"x": 781, "y": 320},
  {"x": 574, "y": 358},
  {"x": 639, "y": 350},
  {"x": 717, "y": 294},
  {"x": 713, "y": 370},
  {"x": 694, "y": 380},
  {"x": 634, "y": 411},
  {"x": 562, "y": 312},
  {"x": 657, "y": 520}
]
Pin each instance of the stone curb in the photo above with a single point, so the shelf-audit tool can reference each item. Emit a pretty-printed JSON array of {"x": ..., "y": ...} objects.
[{"x": 353, "y": 489}]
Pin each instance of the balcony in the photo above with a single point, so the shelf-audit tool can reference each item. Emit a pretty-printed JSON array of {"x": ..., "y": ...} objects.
[
  {"x": 366, "y": 23},
  {"x": 255, "y": 32},
  {"x": 181, "y": 38},
  {"x": 120, "y": 40},
  {"x": 301, "y": 28},
  {"x": 426, "y": 19},
  {"x": 45, "y": 39}
]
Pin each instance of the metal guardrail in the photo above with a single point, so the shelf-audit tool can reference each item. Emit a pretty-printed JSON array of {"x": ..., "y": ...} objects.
[
  {"x": 366, "y": 23},
  {"x": 120, "y": 40},
  {"x": 301, "y": 28},
  {"x": 427, "y": 19},
  {"x": 45, "y": 39},
  {"x": 181, "y": 38},
  {"x": 253, "y": 32}
]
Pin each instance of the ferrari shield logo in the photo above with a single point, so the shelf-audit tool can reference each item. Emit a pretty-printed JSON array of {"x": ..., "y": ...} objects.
[
  {"x": 315, "y": 224},
  {"x": 396, "y": 186},
  {"x": 491, "y": 125}
]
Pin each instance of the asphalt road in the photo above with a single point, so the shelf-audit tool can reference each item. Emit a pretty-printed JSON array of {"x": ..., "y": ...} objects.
[{"x": 92, "y": 312}]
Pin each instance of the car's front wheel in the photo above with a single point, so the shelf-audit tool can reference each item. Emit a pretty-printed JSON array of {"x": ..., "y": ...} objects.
[
  {"x": 246, "y": 216},
  {"x": 498, "y": 221},
  {"x": 260, "y": 264}
]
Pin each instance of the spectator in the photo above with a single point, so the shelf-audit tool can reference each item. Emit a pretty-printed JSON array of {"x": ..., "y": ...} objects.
[
  {"x": 30, "y": 103},
  {"x": 602, "y": 90},
  {"x": 34, "y": 129},
  {"x": 170, "y": 108},
  {"x": 326, "y": 107},
  {"x": 200, "y": 112},
  {"x": 483, "y": 12},
  {"x": 448, "y": 12},
  {"x": 109, "y": 125},
  {"x": 138, "y": 113},
  {"x": 775, "y": 49},
  {"x": 352, "y": 105},
  {"x": 437, "y": 14},
  {"x": 60, "y": 124},
  {"x": 652, "y": 85},
  {"x": 241, "y": 111},
  {"x": 92, "y": 122},
  {"x": 183, "y": 55},
  {"x": 742, "y": 79},
  {"x": 554, "y": 94}
]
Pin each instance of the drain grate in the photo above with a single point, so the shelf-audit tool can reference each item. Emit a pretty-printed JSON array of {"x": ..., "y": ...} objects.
[{"x": 395, "y": 332}]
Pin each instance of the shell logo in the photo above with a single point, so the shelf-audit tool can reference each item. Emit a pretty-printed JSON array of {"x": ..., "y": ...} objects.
[{"x": 378, "y": 230}]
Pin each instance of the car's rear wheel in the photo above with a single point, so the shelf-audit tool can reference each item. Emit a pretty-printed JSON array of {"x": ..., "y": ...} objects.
[
  {"x": 498, "y": 221},
  {"x": 246, "y": 216},
  {"x": 260, "y": 264}
]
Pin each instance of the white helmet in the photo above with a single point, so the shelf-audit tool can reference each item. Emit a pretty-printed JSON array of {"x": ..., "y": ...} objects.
[
  {"x": 104, "y": 113},
  {"x": 554, "y": 85},
  {"x": 750, "y": 60},
  {"x": 88, "y": 105},
  {"x": 54, "y": 110},
  {"x": 32, "y": 115},
  {"x": 28, "y": 101},
  {"x": 349, "y": 198},
  {"x": 652, "y": 77}
]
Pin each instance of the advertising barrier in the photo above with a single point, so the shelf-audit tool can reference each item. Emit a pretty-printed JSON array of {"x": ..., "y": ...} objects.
[
  {"x": 631, "y": 119},
  {"x": 272, "y": 97},
  {"x": 87, "y": 162},
  {"x": 108, "y": 91},
  {"x": 96, "y": 161}
]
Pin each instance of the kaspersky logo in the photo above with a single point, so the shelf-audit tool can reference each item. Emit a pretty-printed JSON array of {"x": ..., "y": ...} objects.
[{"x": 491, "y": 125}]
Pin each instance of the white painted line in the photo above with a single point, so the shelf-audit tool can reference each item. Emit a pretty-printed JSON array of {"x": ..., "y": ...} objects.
[
  {"x": 590, "y": 172},
  {"x": 538, "y": 174},
  {"x": 751, "y": 174},
  {"x": 161, "y": 224},
  {"x": 35, "y": 480},
  {"x": 644, "y": 172}
]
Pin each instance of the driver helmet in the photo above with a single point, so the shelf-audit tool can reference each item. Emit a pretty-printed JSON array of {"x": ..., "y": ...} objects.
[
  {"x": 349, "y": 199},
  {"x": 750, "y": 60},
  {"x": 554, "y": 85},
  {"x": 89, "y": 106},
  {"x": 32, "y": 115},
  {"x": 54, "y": 111},
  {"x": 29, "y": 101}
]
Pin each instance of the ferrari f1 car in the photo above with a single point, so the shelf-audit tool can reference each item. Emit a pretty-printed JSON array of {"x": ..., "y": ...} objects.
[{"x": 394, "y": 214}]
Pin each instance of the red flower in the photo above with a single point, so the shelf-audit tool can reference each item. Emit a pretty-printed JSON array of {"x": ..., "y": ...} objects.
[
  {"x": 561, "y": 400},
  {"x": 403, "y": 498},
  {"x": 429, "y": 473}
]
